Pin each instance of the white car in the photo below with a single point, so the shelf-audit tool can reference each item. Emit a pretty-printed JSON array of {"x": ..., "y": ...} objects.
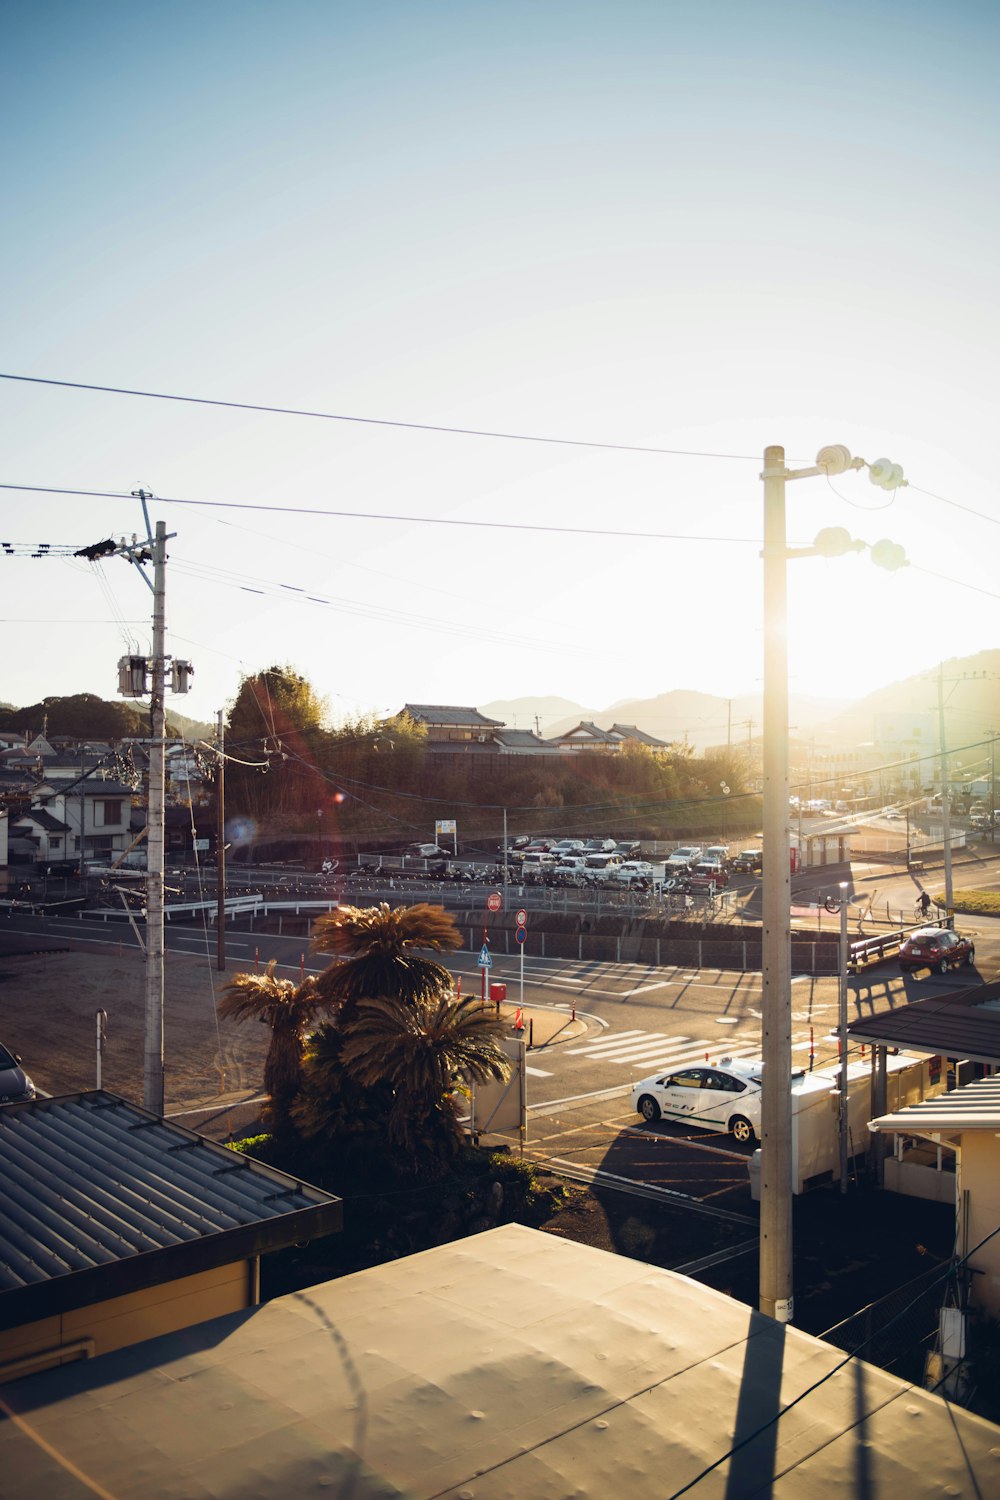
[
  {"x": 684, "y": 857},
  {"x": 634, "y": 869},
  {"x": 721, "y": 1097}
]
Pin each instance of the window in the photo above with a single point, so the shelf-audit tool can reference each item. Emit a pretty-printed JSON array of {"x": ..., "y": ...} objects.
[
  {"x": 107, "y": 810},
  {"x": 691, "y": 1079}
]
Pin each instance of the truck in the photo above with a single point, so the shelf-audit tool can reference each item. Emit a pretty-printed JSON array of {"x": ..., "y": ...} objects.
[{"x": 816, "y": 1114}]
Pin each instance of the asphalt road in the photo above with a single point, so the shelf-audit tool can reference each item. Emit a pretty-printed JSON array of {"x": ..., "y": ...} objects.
[{"x": 635, "y": 1020}]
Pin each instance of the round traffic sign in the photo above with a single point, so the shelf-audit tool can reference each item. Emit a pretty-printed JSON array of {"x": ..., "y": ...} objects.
[
  {"x": 494, "y": 901},
  {"x": 521, "y": 917},
  {"x": 520, "y": 934}
]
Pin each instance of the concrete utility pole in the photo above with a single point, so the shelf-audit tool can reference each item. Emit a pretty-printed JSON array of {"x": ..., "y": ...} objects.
[
  {"x": 945, "y": 799},
  {"x": 152, "y": 1075},
  {"x": 776, "y": 1120},
  {"x": 220, "y": 843}
]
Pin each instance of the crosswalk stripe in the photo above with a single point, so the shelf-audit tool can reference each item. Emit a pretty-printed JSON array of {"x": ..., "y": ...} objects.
[{"x": 617, "y": 1039}]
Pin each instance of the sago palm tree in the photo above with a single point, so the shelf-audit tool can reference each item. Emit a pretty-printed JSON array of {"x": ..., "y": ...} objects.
[
  {"x": 422, "y": 1052},
  {"x": 380, "y": 947},
  {"x": 289, "y": 1009}
]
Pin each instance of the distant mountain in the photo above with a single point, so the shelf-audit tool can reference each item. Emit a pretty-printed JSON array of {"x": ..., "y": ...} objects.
[
  {"x": 700, "y": 720},
  {"x": 971, "y": 699},
  {"x": 522, "y": 713}
]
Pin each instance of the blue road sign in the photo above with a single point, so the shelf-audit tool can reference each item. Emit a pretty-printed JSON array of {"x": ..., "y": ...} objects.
[
  {"x": 520, "y": 934},
  {"x": 485, "y": 958}
]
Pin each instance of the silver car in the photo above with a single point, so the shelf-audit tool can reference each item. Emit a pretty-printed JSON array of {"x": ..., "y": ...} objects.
[{"x": 15, "y": 1085}]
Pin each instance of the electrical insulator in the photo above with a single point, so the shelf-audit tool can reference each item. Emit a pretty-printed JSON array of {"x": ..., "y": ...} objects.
[
  {"x": 835, "y": 460},
  {"x": 180, "y": 671},
  {"x": 886, "y": 554},
  {"x": 132, "y": 675},
  {"x": 835, "y": 541},
  {"x": 886, "y": 474}
]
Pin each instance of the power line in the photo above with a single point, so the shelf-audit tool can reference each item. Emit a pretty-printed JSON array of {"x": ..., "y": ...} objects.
[
  {"x": 364, "y": 515},
  {"x": 330, "y": 416}
]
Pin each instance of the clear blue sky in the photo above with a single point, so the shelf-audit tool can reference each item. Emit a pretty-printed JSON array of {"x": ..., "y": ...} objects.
[{"x": 702, "y": 227}]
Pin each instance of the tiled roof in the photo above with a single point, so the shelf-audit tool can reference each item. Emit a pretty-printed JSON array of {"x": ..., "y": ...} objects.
[
  {"x": 964, "y": 1023},
  {"x": 43, "y": 819},
  {"x": 100, "y": 1198},
  {"x": 440, "y": 713},
  {"x": 631, "y": 732}
]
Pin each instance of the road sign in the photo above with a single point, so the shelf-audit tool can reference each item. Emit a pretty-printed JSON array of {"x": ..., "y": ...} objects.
[
  {"x": 485, "y": 958},
  {"x": 521, "y": 917},
  {"x": 520, "y": 934},
  {"x": 494, "y": 901}
]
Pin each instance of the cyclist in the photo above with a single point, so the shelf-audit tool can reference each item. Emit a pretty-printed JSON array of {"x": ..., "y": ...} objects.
[{"x": 924, "y": 902}]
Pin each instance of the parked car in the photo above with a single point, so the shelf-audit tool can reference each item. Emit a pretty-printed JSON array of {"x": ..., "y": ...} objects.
[
  {"x": 935, "y": 948},
  {"x": 423, "y": 851},
  {"x": 686, "y": 856},
  {"x": 15, "y": 1085},
  {"x": 627, "y": 848},
  {"x": 748, "y": 861},
  {"x": 718, "y": 852},
  {"x": 566, "y": 846},
  {"x": 726, "y": 1097},
  {"x": 601, "y": 866},
  {"x": 600, "y": 846},
  {"x": 709, "y": 872},
  {"x": 632, "y": 870}
]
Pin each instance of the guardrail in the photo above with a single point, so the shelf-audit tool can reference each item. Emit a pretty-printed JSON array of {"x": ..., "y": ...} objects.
[{"x": 868, "y": 951}]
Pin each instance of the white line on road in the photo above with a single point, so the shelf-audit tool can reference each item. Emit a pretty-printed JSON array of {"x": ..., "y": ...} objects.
[{"x": 536, "y": 1072}]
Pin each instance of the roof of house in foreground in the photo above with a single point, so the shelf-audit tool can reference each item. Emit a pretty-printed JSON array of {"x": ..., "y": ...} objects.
[
  {"x": 508, "y": 1364},
  {"x": 101, "y": 1198}
]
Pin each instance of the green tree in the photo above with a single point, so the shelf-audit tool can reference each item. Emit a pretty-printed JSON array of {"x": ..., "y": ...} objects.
[
  {"x": 379, "y": 945},
  {"x": 276, "y": 722},
  {"x": 289, "y": 1009},
  {"x": 423, "y": 1052},
  {"x": 380, "y": 965}
]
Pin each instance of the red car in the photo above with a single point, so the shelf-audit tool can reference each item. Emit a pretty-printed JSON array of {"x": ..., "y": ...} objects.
[{"x": 936, "y": 948}]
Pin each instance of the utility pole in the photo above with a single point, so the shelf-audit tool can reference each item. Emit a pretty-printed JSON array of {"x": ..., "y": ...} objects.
[
  {"x": 776, "y": 1120},
  {"x": 220, "y": 844},
  {"x": 152, "y": 1075}
]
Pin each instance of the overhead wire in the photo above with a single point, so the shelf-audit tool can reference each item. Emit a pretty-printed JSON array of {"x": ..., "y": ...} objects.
[
  {"x": 415, "y": 520},
  {"x": 329, "y": 416}
]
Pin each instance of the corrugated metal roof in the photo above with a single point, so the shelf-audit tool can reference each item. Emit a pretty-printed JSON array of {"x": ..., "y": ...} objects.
[
  {"x": 974, "y": 1106},
  {"x": 506, "y": 1364},
  {"x": 964, "y": 1023},
  {"x": 91, "y": 1182}
]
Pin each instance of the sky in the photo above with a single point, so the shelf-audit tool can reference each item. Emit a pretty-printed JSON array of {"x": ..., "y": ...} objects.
[{"x": 696, "y": 228}]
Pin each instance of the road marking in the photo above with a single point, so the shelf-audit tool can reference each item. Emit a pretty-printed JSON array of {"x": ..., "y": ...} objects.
[{"x": 536, "y": 1072}]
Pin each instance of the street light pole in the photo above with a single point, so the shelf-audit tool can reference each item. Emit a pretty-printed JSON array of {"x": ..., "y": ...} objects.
[{"x": 776, "y": 1121}]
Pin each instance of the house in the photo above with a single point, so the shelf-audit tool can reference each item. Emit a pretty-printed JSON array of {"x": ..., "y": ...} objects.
[
  {"x": 965, "y": 1125},
  {"x": 450, "y": 725},
  {"x": 118, "y": 1226},
  {"x": 630, "y": 734},
  {"x": 960, "y": 1031},
  {"x": 586, "y": 737},
  {"x": 509, "y": 1363},
  {"x": 94, "y": 809}
]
